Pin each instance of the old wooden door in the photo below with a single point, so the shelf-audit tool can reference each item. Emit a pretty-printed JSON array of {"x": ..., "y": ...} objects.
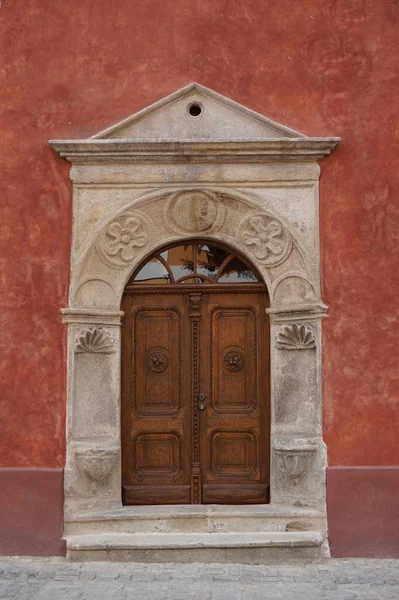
[{"x": 195, "y": 381}]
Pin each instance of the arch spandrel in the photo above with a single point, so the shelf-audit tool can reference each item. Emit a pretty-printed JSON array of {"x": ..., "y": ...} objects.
[{"x": 123, "y": 240}]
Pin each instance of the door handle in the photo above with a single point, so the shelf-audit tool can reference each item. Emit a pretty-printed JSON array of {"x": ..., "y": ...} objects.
[{"x": 201, "y": 401}]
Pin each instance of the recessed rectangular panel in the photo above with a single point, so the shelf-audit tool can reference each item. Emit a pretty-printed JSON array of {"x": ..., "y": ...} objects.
[
  {"x": 156, "y": 352},
  {"x": 233, "y": 360},
  {"x": 156, "y": 494},
  {"x": 233, "y": 454},
  {"x": 235, "y": 493},
  {"x": 157, "y": 456}
]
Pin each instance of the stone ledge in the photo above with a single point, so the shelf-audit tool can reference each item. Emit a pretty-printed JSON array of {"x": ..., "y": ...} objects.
[
  {"x": 187, "y": 547},
  {"x": 152, "y": 541},
  {"x": 194, "y": 519},
  {"x": 176, "y": 151},
  {"x": 205, "y": 510},
  {"x": 89, "y": 316}
]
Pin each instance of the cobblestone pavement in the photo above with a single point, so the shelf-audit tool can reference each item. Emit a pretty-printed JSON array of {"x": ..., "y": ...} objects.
[{"x": 56, "y": 579}]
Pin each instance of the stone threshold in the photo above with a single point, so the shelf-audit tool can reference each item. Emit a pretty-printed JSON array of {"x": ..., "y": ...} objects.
[{"x": 181, "y": 511}]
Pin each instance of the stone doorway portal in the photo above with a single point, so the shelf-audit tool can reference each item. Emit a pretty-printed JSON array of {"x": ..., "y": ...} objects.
[
  {"x": 227, "y": 177},
  {"x": 195, "y": 380}
]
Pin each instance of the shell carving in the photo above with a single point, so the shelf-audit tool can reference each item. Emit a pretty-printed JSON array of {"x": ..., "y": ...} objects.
[
  {"x": 94, "y": 340},
  {"x": 295, "y": 337}
]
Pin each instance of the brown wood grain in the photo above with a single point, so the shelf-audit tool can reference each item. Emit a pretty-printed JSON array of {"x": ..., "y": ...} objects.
[{"x": 176, "y": 345}]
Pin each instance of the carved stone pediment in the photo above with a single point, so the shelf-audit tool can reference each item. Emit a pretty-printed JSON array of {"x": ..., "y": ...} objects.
[{"x": 196, "y": 124}]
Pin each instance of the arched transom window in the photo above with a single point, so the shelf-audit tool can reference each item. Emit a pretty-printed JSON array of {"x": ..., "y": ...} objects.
[{"x": 194, "y": 264}]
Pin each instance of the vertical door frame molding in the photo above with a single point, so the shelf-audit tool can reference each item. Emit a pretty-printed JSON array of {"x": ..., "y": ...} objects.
[{"x": 130, "y": 197}]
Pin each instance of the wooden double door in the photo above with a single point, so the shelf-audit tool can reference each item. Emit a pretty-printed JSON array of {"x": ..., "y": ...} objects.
[{"x": 195, "y": 396}]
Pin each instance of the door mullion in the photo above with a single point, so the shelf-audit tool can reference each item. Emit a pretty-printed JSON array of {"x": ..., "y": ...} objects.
[{"x": 195, "y": 316}]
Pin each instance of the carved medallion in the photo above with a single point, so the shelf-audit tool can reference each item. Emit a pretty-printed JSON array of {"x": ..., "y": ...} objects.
[
  {"x": 158, "y": 362},
  {"x": 95, "y": 340},
  {"x": 195, "y": 211},
  {"x": 234, "y": 361},
  {"x": 295, "y": 337},
  {"x": 266, "y": 238},
  {"x": 122, "y": 238}
]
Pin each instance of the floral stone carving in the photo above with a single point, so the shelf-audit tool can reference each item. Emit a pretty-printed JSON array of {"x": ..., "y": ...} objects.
[
  {"x": 123, "y": 237},
  {"x": 267, "y": 238},
  {"x": 95, "y": 340},
  {"x": 96, "y": 464},
  {"x": 295, "y": 337}
]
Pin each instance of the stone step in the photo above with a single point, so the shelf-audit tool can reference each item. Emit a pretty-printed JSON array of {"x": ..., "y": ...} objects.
[
  {"x": 248, "y": 547},
  {"x": 194, "y": 519}
]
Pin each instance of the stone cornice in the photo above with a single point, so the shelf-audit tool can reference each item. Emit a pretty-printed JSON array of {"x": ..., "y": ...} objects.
[
  {"x": 97, "y": 151},
  {"x": 89, "y": 316},
  {"x": 300, "y": 312}
]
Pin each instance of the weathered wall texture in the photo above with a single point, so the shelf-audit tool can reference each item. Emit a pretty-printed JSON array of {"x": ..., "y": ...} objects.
[{"x": 325, "y": 67}]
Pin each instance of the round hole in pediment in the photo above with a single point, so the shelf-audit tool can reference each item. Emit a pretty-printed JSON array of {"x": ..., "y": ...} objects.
[{"x": 194, "y": 109}]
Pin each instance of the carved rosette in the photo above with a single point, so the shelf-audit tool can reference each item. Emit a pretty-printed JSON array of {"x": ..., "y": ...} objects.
[
  {"x": 158, "y": 361},
  {"x": 266, "y": 237},
  {"x": 96, "y": 464},
  {"x": 123, "y": 238},
  {"x": 195, "y": 211},
  {"x": 95, "y": 340},
  {"x": 294, "y": 456},
  {"x": 295, "y": 337},
  {"x": 234, "y": 360}
]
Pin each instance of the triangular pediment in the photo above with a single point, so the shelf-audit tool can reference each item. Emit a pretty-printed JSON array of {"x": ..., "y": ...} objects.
[{"x": 197, "y": 113}]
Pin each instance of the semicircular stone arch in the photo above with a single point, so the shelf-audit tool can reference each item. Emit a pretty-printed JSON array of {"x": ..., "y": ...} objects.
[{"x": 121, "y": 242}]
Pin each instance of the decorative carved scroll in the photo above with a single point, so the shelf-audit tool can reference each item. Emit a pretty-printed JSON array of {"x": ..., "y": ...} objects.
[
  {"x": 122, "y": 238},
  {"x": 295, "y": 337},
  {"x": 266, "y": 237},
  {"x": 95, "y": 340},
  {"x": 195, "y": 305}
]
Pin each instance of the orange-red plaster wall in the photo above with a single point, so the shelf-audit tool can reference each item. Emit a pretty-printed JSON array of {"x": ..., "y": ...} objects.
[{"x": 325, "y": 67}]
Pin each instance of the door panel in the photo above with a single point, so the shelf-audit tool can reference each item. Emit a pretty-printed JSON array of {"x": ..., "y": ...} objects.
[
  {"x": 156, "y": 430},
  {"x": 233, "y": 362},
  {"x": 235, "y": 423},
  {"x": 157, "y": 360},
  {"x": 176, "y": 448}
]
